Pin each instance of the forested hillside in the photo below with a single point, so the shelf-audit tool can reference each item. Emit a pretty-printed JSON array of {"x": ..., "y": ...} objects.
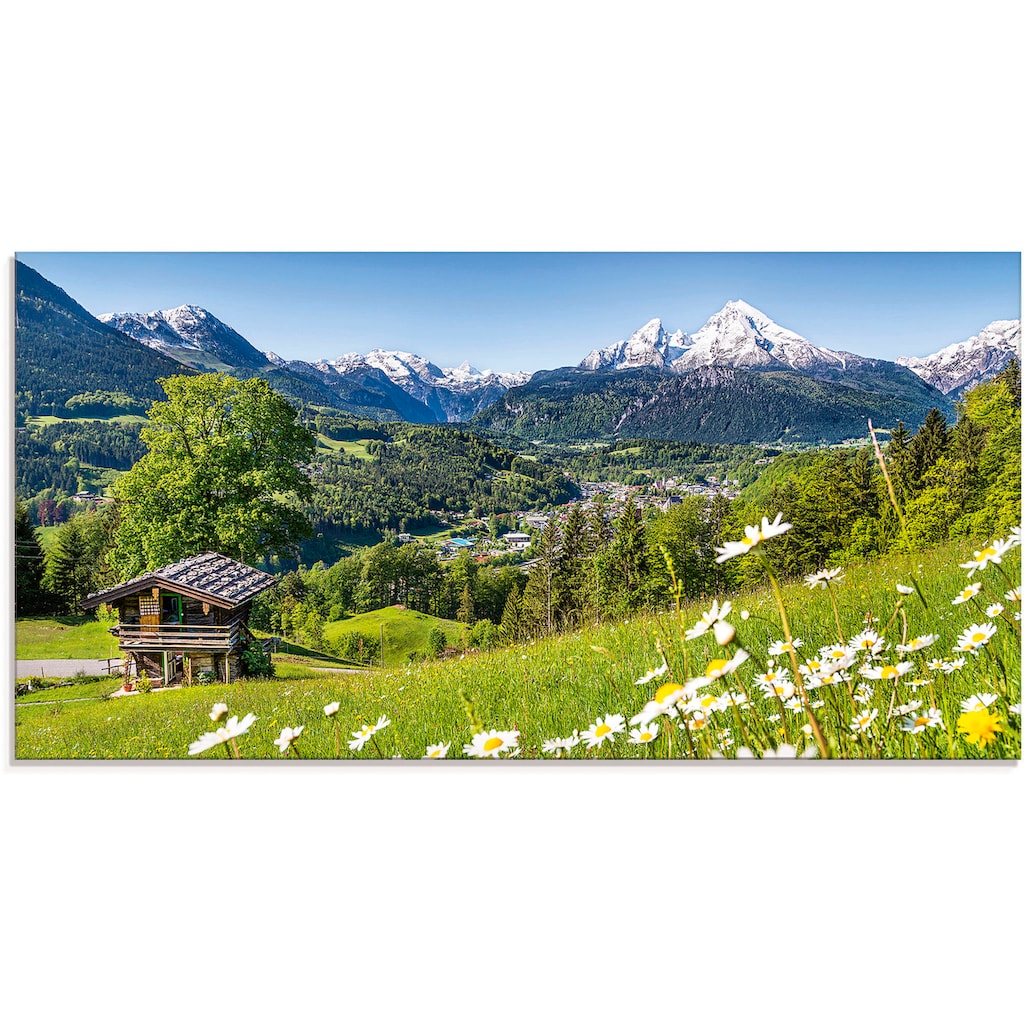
[
  {"x": 403, "y": 474},
  {"x": 710, "y": 404},
  {"x": 62, "y": 351}
]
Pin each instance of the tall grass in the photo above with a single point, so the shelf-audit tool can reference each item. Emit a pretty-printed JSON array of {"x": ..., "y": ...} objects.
[{"x": 551, "y": 688}]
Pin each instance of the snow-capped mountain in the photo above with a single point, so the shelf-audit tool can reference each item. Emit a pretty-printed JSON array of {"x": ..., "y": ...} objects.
[
  {"x": 957, "y": 368},
  {"x": 187, "y": 333},
  {"x": 652, "y": 345},
  {"x": 194, "y": 336},
  {"x": 453, "y": 393},
  {"x": 411, "y": 368},
  {"x": 738, "y": 335}
]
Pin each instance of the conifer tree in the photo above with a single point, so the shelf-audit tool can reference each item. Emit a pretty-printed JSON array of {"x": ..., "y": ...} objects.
[
  {"x": 513, "y": 626},
  {"x": 628, "y": 562},
  {"x": 29, "y": 598},
  {"x": 70, "y": 566},
  {"x": 539, "y": 598}
]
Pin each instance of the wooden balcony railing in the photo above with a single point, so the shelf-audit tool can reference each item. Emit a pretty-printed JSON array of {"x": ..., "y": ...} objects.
[{"x": 169, "y": 636}]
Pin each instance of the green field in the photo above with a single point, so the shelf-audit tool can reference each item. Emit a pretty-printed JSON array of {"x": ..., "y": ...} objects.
[
  {"x": 356, "y": 448},
  {"x": 45, "y": 421},
  {"x": 405, "y": 631},
  {"x": 71, "y": 636},
  {"x": 551, "y": 687}
]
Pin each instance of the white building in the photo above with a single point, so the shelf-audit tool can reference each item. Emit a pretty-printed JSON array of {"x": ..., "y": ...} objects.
[{"x": 517, "y": 541}]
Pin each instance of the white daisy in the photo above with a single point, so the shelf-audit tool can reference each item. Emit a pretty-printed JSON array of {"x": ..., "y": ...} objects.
[
  {"x": 287, "y": 737},
  {"x": 436, "y": 751},
  {"x": 918, "y": 643},
  {"x": 492, "y": 743},
  {"x": 655, "y": 673},
  {"x": 648, "y": 734},
  {"x": 917, "y": 723},
  {"x": 709, "y": 618},
  {"x": 603, "y": 729},
  {"x": 862, "y": 720},
  {"x": 784, "y": 647},
  {"x": 969, "y": 592},
  {"x": 975, "y": 636},
  {"x": 824, "y": 578},
  {"x": 231, "y": 729},
  {"x": 978, "y": 701},
  {"x": 753, "y": 536},
  {"x": 993, "y": 553},
  {"x": 886, "y": 671}
]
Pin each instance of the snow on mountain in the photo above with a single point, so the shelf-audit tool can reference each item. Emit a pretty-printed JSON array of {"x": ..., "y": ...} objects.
[
  {"x": 737, "y": 335},
  {"x": 651, "y": 345},
  {"x": 411, "y": 371},
  {"x": 185, "y": 332},
  {"x": 958, "y": 367}
]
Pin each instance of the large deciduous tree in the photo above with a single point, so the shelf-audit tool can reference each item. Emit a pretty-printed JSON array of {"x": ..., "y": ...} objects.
[{"x": 226, "y": 460}]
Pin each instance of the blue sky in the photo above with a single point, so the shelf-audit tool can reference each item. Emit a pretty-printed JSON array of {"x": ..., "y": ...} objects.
[{"x": 512, "y": 311}]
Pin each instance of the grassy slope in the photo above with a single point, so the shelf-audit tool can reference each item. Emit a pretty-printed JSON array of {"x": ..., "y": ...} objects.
[
  {"x": 404, "y": 631},
  {"x": 551, "y": 687},
  {"x": 64, "y": 637}
]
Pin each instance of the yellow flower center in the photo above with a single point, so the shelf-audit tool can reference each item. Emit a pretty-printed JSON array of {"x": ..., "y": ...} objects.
[
  {"x": 666, "y": 690},
  {"x": 889, "y": 671},
  {"x": 748, "y": 542},
  {"x": 716, "y": 667},
  {"x": 602, "y": 730},
  {"x": 435, "y": 753},
  {"x": 979, "y": 637},
  {"x": 708, "y": 700},
  {"x": 645, "y": 736},
  {"x": 493, "y": 743},
  {"x": 921, "y": 720},
  {"x": 986, "y": 553}
]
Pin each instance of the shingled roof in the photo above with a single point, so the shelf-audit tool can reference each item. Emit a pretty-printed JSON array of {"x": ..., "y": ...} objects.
[{"x": 209, "y": 577}]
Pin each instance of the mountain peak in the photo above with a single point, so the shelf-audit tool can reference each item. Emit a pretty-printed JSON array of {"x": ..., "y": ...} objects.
[
  {"x": 187, "y": 333},
  {"x": 960, "y": 366}
]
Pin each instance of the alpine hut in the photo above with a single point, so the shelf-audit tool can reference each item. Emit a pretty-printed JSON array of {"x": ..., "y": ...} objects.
[{"x": 186, "y": 618}]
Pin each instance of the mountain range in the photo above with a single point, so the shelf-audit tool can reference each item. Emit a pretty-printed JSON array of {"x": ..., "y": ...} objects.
[
  {"x": 741, "y": 376},
  {"x": 957, "y": 368}
]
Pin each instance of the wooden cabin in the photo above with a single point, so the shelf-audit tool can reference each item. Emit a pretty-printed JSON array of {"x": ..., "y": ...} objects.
[{"x": 186, "y": 618}]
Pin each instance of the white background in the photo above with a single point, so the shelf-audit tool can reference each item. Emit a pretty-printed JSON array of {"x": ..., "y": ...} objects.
[{"x": 510, "y": 892}]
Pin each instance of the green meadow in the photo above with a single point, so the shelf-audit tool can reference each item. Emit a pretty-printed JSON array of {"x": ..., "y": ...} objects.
[
  {"x": 550, "y": 688},
  {"x": 405, "y": 631}
]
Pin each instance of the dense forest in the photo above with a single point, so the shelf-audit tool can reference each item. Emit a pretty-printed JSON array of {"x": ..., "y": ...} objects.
[
  {"x": 403, "y": 474},
  {"x": 733, "y": 405},
  {"x": 642, "y": 461},
  {"x": 52, "y": 455}
]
